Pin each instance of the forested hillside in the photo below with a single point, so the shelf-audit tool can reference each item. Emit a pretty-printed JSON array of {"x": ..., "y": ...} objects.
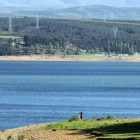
[{"x": 93, "y": 36}]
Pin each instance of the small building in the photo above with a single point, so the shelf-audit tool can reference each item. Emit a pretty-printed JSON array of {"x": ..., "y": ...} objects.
[
  {"x": 120, "y": 55},
  {"x": 135, "y": 53},
  {"x": 68, "y": 44},
  {"x": 19, "y": 41},
  {"x": 125, "y": 55}
]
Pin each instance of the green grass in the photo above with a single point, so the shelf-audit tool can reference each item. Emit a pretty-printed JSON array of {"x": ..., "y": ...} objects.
[
  {"x": 104, "y": 128},
  {"x": 9, "y": 37},
  {"x": 3, "y": 32}
]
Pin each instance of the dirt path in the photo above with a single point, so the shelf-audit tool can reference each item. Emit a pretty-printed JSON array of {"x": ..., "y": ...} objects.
[{"x": 31, "y": 133}]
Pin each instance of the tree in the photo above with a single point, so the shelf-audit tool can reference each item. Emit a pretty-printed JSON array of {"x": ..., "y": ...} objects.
[
  {"x": 108, "y": 47},
  {"x": 132, "y": 50},
  {"x": 26, "y": 50},
  {"x": 14, "y": 40},
  {"x": 18, "y": 49},
  {"x": 42, "y": 50},
  {"x": 31, "y": 49},
  {"x": 27, "y": 40},
  {"x": 10, "y": 40},
  {"x": 120, "y": 45},
  {"x": 97, "y": 50},
  {"x": 10, "y": 50},
  {"x": 50, "y": 48},
  {"x": 36, "y": 49},
  {"x": 57, "y": 45},
  {"x": 53, "y": 52},
  {"x": 128, "y": 49},
  {"x": 78, "y": 51}
]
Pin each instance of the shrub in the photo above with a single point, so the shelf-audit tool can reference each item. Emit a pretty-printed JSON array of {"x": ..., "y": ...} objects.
[
  {"x": 101, "y": 118},
  {"x": 3, "y": 130},
  {"x": 9, "y": 137},
  {"x": 74, "y": 118},
  {"x": 21, "y": 137},
  {"x": 109, "y": 117},
  {"x": 70, "y": 120}
]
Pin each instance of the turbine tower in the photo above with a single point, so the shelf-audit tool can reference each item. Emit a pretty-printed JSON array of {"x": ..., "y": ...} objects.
[
  {"x": 115, "y": 29},
  {"x": 111, "y": 16},
  {"x": 10, "y": 25},
  {"x": 104, "y": 18},
  {"x": 37, "y": 22}
]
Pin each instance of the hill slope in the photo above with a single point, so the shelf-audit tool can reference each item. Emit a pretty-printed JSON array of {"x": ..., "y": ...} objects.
[{"x": 90, "y": 12}]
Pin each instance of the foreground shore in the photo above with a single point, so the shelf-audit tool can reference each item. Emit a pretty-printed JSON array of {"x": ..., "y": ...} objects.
[
  {"x": 31, "y": 132},
  {"x": 69, "y": 58},
  {"x": 73, "y": 129}
]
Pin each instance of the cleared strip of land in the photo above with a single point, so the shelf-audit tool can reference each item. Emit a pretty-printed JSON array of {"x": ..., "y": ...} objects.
[{"x": 9, "y": 37}]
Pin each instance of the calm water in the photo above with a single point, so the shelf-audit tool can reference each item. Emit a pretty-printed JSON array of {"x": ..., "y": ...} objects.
[{"x": 40, "y": 92}]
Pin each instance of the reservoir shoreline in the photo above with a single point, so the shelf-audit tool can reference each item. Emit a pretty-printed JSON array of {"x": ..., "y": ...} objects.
[{"x": 69, "y": 58}]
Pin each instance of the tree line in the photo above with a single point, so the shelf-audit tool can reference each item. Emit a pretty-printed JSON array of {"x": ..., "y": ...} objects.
[
  {"x": 6, "y": 48},
  {"x": 91, "y": 35},
  {"x": 36, "y": 45}
]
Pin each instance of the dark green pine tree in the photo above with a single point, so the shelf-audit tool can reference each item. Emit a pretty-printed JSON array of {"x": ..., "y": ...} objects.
[{"x": 108, "y": 47}]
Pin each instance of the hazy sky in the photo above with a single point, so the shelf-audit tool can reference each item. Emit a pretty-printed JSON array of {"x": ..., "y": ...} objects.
[{"x": 69, "y": 3}]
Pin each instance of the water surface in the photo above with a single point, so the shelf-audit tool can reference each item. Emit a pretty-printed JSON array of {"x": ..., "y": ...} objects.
[{"x": 40, "y": 92}]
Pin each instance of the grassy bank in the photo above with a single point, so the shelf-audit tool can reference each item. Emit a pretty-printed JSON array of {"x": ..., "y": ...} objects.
[
  {"x": 9, "y": 36},
  {"x": 103, "y": 128}
]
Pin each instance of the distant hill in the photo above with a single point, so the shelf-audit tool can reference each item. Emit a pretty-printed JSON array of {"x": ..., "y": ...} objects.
[
  {"x": 90, "y": 12},
  {"x": 85, "y": 12}
]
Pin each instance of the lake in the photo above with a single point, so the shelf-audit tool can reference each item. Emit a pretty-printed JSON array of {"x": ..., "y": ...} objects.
[{"x": 40, "y": 92}]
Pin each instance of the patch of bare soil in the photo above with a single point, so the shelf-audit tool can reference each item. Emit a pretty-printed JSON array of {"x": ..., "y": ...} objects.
[{"x": 31, "y": 132}]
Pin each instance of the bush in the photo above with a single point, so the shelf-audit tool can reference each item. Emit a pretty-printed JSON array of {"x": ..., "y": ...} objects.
[
  {"x": 74, "y": 118},
  {"x": 9, "y": 137},
  {"x": 70, "y": 120},
  {"x": 3, "y": 130},
  {"x": 109, "y": 117},
  {"x": 85, "y": 120},
  {"x": 101, "y": 118},
  {"x": 21, "y": 137}
]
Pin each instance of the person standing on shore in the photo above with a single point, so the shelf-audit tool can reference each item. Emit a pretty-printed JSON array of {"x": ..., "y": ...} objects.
[{"x": 81, "y": 115}]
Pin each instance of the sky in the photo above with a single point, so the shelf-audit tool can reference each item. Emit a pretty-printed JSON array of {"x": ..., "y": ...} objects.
[{"x": 66, "y": 3}]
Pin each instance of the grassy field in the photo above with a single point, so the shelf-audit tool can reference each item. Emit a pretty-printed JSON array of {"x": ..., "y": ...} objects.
[
  {"x": 103, "y": 128},
  {"x": 9, "y": 37}
]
